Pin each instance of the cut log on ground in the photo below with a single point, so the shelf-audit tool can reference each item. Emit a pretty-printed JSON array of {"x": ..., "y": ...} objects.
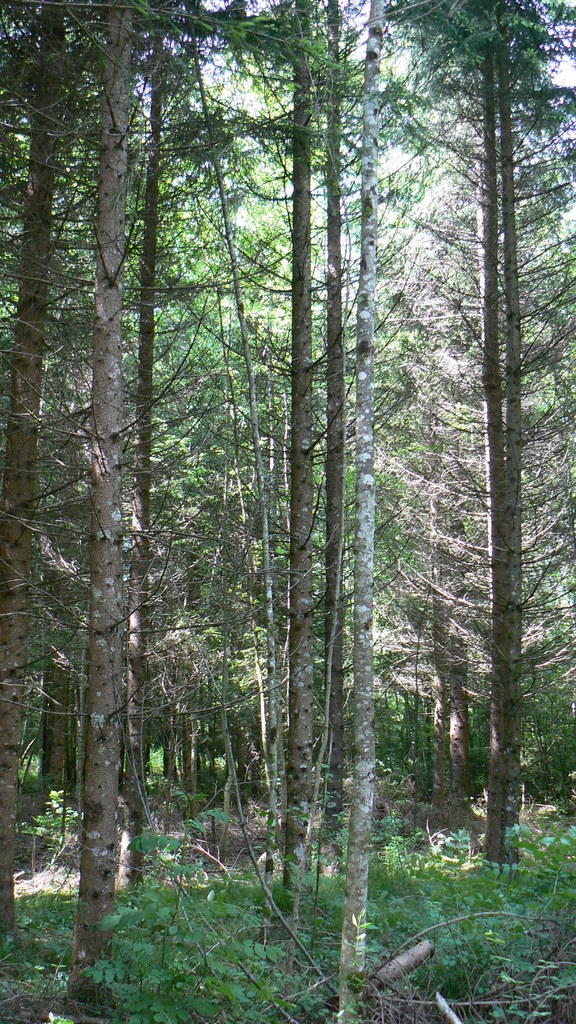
[{"x": 401, "y": 965}]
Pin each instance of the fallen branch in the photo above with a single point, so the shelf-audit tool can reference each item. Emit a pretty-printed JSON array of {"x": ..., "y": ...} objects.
[
  {"x": 446, "y": 1010},
  {"x": 401, "y": 965}
]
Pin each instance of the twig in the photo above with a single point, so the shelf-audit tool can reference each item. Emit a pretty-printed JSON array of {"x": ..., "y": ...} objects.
[
  {"x": 445, "y": 1010},
  {"x": 466, "y": 917},
  {"x": 206, "y": 853}
]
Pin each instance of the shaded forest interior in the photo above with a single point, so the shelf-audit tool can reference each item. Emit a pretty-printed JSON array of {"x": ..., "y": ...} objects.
[{"x": 287, "y": 545}]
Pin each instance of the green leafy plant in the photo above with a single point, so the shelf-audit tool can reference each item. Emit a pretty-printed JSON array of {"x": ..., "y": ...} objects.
[
  {"x": 190, "y": 946},
  {"x": 182, "y": 946},
  {"x": 56, "y": 825},
  {"x": 492, "y": 932}
]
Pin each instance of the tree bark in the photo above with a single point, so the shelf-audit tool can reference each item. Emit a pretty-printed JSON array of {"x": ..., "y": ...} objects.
[
  {"x": 459, "y": 738},
  {"x": 402, "y": 964},
  {"x": 335, "y": 424},
  {"x": 459, "y": 719},
  {"x": 513, "y": 449},
  {"x": 190, "y": 761},
  {"x": 504, "y": 468},
  {"x": 352, "y": 955},
  {"x": 446, "y": 1010},
  {"x": 495, "y": 449},
  {"x": 439, "y": 642},
  {"x": 55, "y": 726},
  {"x": 441, "y": 657},
  {"x": 134, "y": 786},
  {"x": 301, "y": 648},
  {"x": 18, "y": 506},
  {"x": 104, "y": 699}
]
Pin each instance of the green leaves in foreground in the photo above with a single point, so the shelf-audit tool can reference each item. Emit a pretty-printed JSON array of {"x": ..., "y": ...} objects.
[
  {"x": 184, "y": 948},
  {"x": 189, "y": 947},
  {"x": 502, "y": 940}
]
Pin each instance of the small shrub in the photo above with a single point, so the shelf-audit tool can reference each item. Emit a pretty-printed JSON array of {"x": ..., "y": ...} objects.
[
  {"x": 182, "y": 947},
  {"x": 56, "y": 825}
]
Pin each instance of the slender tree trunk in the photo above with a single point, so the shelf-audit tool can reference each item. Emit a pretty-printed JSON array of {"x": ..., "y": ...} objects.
[
  {"x": 18, "y": 505},
  {"x": 496, "y": 466},
  {"x": 189, "y": 761},
  {"x": 169, "y": 752},
  {"x": 449, "y": 647},
  {"x": 352, "y": 956},
  {"x": 336, "y": 428},
  {"x": 458, "y": 674},
  {"x": 134, "y": 787},
  {"x": 459, "y": 719},
  {"x": 55, "y": 722},
  {"x": 271, "y": 711},
  {"x": 440, "y": 649},
  {"x": 440, "y": 614},
  {"x": 99, "y": 831},
  {"x": 513, "y": 450},
  {"x": 504, "y": 467},
  {"x": 301, "y": 650}
]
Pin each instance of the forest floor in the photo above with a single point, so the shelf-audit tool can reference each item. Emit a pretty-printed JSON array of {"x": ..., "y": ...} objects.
[{"x": 427, "y": 882}]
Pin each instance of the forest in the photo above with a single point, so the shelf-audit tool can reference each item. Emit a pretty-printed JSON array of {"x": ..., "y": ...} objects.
[{"x": 287, "y": 511}]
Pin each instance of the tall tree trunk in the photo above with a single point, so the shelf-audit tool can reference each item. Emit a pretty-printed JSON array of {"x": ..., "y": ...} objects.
[
  {"x": 271, "y": 712},
  {"x": 440, "y": 651},
  {"x": 511, "y": 749},
  {"x": 503, "y": 785},
  {"x": 189, "y": 761},
  {"x": 18, "y": 506},
  {"x": 439, "y": 628},
  {"x": 335, "y": 416},
  {"x": 134, "y": 787},
  {"x": 458, "y": 674},
  {"x": 496, "y": 467},
  {"x": 352, "y": 956},
  {"x": 55, "y": 725},
  {"x": 98, "y": 858},
  {"x": 301, "y": 650},
  {"x": 459, "y": 719}
]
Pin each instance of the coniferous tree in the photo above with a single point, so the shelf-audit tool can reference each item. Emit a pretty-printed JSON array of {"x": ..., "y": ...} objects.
[
  {"x": 19, "y": 484},
  {"x": 335, "y": 416},
  {"x": 134, "y": 784},
  {"x": 504, "y": 710},
  {"x": 106, "y": 630},
  {"x": 468, "y": 48},
  {"x": 301, "y": 606}
]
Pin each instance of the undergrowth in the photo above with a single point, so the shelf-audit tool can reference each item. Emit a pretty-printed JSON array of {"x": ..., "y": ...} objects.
[{"x": 191, "y": 947}]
